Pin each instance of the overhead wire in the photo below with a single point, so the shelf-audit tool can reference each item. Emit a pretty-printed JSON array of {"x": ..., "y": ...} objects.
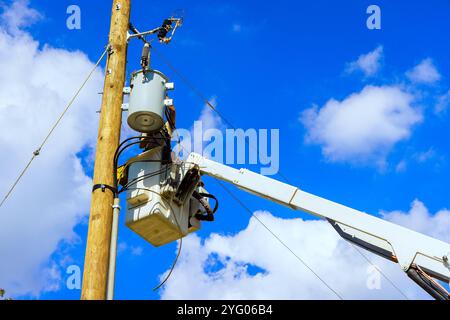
[
  {"x": 212, "y": 107},
  {"x": 52, "y": 129},
  {"x": 236, "y": 198},
  {"x": 302, "y": 261},
  {"x": 383, "y": 274},
  {"x": 276, "y": 237}
]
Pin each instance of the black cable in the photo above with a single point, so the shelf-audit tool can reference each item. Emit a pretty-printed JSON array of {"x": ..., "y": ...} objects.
[
  {"x": 208, "y": 195},
  {"x": 145, "y": 176},
  {"x": 122, "y": 147}
]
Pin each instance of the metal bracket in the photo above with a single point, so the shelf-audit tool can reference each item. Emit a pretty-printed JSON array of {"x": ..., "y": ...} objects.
[
  {"x": 169, "y": 86},
  {"x": 168, "y": 102},
  {"x": 126, "y": 90},
  {"x": 104, "y": 187},
  {"x": 37, "y": 152}
]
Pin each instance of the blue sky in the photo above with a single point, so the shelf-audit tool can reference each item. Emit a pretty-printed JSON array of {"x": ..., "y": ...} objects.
[{"x": 266, "y": 64}]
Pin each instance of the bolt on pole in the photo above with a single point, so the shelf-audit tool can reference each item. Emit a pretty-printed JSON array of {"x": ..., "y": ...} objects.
[{"x": 100, "y": 221}]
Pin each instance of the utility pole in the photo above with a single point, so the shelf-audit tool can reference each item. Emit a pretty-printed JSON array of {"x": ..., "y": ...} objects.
[{"x": 100, "y": 220}]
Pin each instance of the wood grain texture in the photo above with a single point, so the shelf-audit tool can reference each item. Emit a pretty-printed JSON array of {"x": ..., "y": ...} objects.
[{"x": 100, "y": 220}]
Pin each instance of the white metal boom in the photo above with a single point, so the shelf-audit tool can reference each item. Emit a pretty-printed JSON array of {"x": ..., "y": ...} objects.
[{"x": 420, "y": 256}]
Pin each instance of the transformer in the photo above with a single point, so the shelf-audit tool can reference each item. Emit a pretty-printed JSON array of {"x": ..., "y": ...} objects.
[{"x": 147, "y": 100}]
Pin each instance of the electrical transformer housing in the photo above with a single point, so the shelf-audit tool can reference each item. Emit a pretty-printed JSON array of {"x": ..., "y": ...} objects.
[{"x": 146, "y": 104}]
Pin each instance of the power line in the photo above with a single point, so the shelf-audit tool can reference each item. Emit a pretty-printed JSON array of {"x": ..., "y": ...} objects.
[
  {"x": 278, "y": 238},
  {"x": 38, "y": 150},
  {"x": 273, "y": 234},
  {"x": 210, "y": 105},
  {"x": 191, "y": 86},
  {"x": 206, "y": 101},
  {"x": 379, "y": 270},
  {"x": 203, "y": 98}
]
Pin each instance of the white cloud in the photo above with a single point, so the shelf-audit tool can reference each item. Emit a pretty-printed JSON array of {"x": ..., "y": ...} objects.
[
  {"x": 424, "y": 72},
  {"x": 368, "y": 63},
  {"x": 401, "y": 166},
  {"x": 425, "y": 156},
  {"x": 443, "y": 102},
  {"x": 209, "y": 119},
  {"x": 419, "y": 218},
  {"x": 133, "y": 250},
  {"x": 18, "y": 16},
  {"x": 364, "y": 126},
  {"x": 36, "y": 83},
  {"x": 253, "y": 265}
]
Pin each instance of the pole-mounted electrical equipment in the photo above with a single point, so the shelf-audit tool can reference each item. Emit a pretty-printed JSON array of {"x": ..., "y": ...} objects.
[
  {"x": 164, "y": 201},
  {"x": 148, "y": 100},
  {"x": 148, "y": 88},
  {"x": 166, "y": 198}
]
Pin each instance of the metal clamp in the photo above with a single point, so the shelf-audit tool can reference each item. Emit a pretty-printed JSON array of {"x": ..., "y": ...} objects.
[{"x": 104, "y": 187}]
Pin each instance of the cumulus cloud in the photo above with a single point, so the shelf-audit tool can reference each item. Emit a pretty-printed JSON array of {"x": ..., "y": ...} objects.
[
  {"x": 424, "y": 72},
  {"x": 18, "y": 16},
  {"x": 133, "y": 250},
  {"x": 368, "y": 63},
  {"x": 419, "y": 218},
  {"x": 208, "y": 118},
  {"x": 37, "y": 81},
  {"x": 425, "y": 156},
  {"x": 443, "y": 102},
  {"x": 364, "y": 126},
  {"x": 253, "y": 265}
]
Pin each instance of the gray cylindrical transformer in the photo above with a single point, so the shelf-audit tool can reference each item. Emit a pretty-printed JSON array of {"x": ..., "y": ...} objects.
[{"x": 146, "y": 104}]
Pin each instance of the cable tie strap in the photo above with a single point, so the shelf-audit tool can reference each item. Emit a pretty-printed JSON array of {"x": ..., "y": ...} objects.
[{"x": 104, "y": 187}]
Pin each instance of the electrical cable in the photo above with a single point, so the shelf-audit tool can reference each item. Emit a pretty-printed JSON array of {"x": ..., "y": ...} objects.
[
  {"x": 144, "y": 177},
  {"x": 278, "y": 238},
  {"x": 202, "y": 97},
  {"x": 275, "y": 236},
  {"x": 122, "y": 147},
  {"x": 206, "y": 101},
  {"x": 191, "y": 86},
  {"x": 38, "y": 150},
  {"x": 379, "y": 270}
]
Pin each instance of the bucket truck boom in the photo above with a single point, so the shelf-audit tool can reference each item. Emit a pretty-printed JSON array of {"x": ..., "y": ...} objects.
[{"x": 421, "y": 257}]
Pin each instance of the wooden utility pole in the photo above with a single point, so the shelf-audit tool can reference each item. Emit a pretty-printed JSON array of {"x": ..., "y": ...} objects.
[{"x": 100, "y": 220}]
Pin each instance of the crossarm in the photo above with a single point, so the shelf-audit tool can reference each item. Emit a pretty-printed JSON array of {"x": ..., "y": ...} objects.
[{"x": 411, "y": 249}]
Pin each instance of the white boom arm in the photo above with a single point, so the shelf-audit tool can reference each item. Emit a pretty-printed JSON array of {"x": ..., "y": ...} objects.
[{"x": 420, "y": 256}]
